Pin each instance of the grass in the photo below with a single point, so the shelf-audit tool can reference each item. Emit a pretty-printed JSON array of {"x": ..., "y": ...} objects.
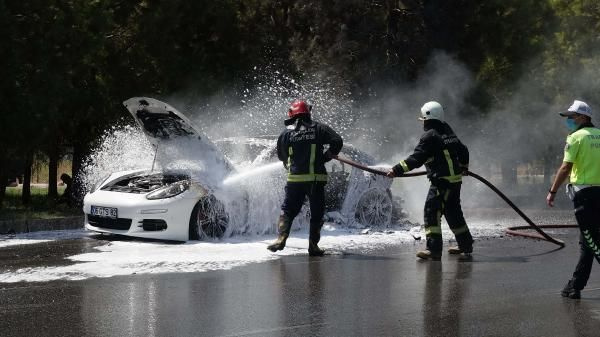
[
  {"x": 39, "y": 208},
  {"x": 39, "y": 172}
]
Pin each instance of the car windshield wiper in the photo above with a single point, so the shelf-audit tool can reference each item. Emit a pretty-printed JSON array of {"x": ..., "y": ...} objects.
[{"x": 154, "y": 159}]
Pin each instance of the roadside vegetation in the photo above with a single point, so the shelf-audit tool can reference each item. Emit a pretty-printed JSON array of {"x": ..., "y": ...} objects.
[
  {"x": 68, "y": 65},
  {"x": 40, "y": 207}
]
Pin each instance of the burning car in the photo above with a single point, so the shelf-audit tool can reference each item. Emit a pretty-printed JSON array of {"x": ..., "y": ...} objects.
[{"x": 193, "y": 195}]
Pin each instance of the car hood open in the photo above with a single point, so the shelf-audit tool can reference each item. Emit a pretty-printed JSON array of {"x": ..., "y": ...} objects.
[
  {"x": 163, "y": 124},
  {"x": 160, "y": 121}
]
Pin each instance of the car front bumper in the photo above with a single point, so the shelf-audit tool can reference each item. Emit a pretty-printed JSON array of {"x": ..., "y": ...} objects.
[{"x": 163, "y": 219}]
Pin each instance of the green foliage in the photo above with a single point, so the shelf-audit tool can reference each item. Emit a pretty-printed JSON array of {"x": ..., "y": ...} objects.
[
  {"x": 572, "y": 59},
  {"x": 496, "y": 39},
  {"x": 39, "y": 208},
  {"x": 68, "y": 65}
]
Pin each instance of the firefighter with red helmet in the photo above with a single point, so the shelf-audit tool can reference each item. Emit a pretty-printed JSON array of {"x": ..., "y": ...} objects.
[{"x": 301, "y": 148}]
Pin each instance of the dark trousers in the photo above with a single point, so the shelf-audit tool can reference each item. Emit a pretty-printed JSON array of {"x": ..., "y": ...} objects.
[
  {"x": 587, "y": 214},
  {"x": 444, "y": 199},
  {"x": 295, "y": 194}
]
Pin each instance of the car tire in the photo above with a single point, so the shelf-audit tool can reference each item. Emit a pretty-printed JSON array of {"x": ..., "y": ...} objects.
[
  {"x": 374, "y": 208},
  {"x": 209, "y": 219}
]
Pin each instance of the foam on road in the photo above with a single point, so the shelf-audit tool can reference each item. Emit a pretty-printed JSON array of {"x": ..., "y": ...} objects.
[{"x": 127, "y": 257}]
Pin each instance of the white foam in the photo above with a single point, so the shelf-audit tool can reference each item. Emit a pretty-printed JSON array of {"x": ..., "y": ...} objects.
[
  {"x": 121, "y": 148},
  {"x": 38, "y": 237},
  {"x": 136, "y": 257}
]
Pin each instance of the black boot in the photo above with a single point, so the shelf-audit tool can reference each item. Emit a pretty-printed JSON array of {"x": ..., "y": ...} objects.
[
  {"x": 314, "y": 238},
  {"x": 465, "y": 244},
  {"x": 314, "y": 250},
  {"x": 570, "y": 292},
  {"x": 283, "y": 227}
]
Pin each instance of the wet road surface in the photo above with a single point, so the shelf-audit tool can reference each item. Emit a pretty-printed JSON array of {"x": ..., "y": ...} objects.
[{"x": 509, "y": 288}]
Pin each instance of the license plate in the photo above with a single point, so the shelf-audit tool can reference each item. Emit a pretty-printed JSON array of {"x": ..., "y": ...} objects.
[{"x": 107, "y": 212}]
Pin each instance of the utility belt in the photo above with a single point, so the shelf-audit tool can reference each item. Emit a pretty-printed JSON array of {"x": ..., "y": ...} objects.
[{"x": 573, "y": 189}]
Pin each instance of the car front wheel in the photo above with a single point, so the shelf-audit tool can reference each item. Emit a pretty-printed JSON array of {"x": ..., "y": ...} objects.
[
  {"x": 209, "y": 219},
  {"x": 374, "y": 208}
]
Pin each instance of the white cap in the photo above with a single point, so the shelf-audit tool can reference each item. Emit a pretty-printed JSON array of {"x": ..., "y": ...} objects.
[{"x": 579, "y": 107}]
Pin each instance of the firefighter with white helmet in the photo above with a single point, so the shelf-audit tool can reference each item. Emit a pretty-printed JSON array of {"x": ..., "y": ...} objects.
[{"x": 446, "y": 159}]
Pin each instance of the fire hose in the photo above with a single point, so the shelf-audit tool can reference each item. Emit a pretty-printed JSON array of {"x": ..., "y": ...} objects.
[{"x": 511, "y": 230}]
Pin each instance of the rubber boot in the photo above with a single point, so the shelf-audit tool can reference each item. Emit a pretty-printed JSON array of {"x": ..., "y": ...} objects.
[
  {"x": 454, "y": 250},
  {"x": 283, "y": 227},
  {"x": 433, "y": 250},
  {"x": 429, "y": 255},
  {"x": 314, "y": 250},
  {"x": 465, "y": 244},
  {"x": 314, "y": 238}
]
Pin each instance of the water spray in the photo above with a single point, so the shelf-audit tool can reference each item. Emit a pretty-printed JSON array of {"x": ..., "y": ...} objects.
[
  {"x": 253, "y": 172},
  {"x": 511, "y": 230}
]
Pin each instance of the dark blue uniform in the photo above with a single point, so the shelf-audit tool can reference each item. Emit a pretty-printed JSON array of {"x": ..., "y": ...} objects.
[
  {"x": 301, "y": 151},
  {"x": 445, "y": 157}
]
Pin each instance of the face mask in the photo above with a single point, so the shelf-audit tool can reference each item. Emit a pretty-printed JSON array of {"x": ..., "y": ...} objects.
[{"x": 571, "y": 125}]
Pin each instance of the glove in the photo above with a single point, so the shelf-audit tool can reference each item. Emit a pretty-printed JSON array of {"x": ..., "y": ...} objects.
[
  {"x": 328, "y": 156},
  {"x": 397, "y": 171},
  {"x": 464, "y": 169}
]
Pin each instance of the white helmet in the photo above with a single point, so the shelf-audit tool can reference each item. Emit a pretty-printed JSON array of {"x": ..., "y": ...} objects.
[{"x": 432, "y": 110}]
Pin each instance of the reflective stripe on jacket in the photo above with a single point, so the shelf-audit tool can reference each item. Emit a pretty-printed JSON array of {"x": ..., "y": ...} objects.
[
  {"x": 301, "y": 149},
  {"x": 442, "y": 153}
]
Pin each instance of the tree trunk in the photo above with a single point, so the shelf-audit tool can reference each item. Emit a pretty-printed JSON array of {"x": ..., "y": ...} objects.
[
  {"x": 26, "y": 193},
  {"x": 509, "y": 174},
  {"x": 3, "y": 181},
  {"x": 548, "y": 172},
  {"x": 79, "y": 152},
  {"x": 549, "y": 166},
  {"x": 52, "y": 173}
]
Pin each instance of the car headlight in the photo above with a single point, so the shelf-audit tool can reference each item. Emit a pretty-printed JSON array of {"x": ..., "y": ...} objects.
[
  {"x": 169, "y": 191},
  {"x": 99, "y": 183}
]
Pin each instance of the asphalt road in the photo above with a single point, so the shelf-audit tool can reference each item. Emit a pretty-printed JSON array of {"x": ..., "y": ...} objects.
[{"x": 510, "y": 288}]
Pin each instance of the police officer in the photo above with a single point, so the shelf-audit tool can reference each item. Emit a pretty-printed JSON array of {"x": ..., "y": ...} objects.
[
  {"x": 581, "y": 164},
  {"x": 300, "y": 148},
  {"x": 446, "y": 159}
]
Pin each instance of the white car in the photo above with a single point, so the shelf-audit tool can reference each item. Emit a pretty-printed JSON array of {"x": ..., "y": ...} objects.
[{"x": 188, "y": 197}]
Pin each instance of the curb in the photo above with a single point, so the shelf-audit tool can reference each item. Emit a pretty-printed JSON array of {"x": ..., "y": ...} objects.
[{"x": 35, "y": 225}]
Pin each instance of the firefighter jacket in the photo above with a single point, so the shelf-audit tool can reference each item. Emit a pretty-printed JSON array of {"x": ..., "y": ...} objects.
[
  {"x": 301, "y": 150},
  {"x": 443, "y": 154}
]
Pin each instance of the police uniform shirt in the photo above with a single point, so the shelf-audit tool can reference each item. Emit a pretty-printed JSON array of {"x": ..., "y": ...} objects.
[{"x": 583, "y": 150}]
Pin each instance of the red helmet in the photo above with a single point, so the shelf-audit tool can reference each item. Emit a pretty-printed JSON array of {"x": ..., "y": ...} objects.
[{"x": 298, "y": 108}]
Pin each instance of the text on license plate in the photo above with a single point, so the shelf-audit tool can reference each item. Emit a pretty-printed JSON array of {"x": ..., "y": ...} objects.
[{"x": 109, "y": 212}]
